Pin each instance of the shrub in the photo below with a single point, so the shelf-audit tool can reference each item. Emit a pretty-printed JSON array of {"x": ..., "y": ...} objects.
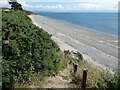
[
  {"x": 30, "y": 49},
  {"x": 110, "y": 82}
]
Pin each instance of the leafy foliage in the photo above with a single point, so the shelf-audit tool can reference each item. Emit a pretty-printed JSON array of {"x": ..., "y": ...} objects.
[
  {"x": 30, "y": 49},
  {"x": 15, "y": 5},
  {"x": 109, "y": 82}
]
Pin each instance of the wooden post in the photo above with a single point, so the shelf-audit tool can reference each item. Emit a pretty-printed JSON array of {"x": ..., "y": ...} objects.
[
  {"x": 75, "y": 67},
  {"x": 84, "y": 79}
]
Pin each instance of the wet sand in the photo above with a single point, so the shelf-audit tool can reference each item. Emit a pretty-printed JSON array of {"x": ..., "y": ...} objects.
[{"x": 97, "y": 48}]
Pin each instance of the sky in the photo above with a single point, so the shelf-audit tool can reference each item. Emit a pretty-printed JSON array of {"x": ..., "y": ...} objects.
[{"x": 67, "y": 5}]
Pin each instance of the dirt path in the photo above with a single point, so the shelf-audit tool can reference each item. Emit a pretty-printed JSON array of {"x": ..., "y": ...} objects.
[{"x": 62, "y": 80}]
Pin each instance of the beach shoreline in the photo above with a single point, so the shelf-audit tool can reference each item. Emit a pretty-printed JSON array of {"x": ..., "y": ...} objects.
[
  {"x": 97, "y": 48},
  {"x": 82, "y": 27}
]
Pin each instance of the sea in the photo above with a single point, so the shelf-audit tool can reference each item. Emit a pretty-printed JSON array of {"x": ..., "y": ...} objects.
[{"x": 100, "y": 22}]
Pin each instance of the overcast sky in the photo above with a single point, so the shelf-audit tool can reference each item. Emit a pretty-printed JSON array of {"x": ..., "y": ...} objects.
[{"x": 67, "y": 5}]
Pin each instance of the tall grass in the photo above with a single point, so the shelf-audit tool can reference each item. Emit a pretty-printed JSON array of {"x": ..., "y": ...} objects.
[{"x": 97, "y": 78}]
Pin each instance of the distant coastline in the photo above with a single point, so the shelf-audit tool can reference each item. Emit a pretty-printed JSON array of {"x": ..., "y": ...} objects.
[
  {"x": 97, "y": 48},
  {"x": 84, "y": 28},
  {"x": 109, "y": 25}
]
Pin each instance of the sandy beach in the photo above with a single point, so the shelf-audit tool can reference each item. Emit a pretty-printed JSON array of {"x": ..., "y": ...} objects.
[{"x": 97, "y": 48}]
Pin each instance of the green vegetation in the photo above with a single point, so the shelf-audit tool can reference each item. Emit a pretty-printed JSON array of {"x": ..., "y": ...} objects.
[
  {"x": 97, "y": 78},
  {"x": 29, "y": 55},
  {"x": 111, "y": 82},
  {"x": 0, "y": 47},
  {"x": 27, "y": 50},
  {"x": 15, "y": 5}
]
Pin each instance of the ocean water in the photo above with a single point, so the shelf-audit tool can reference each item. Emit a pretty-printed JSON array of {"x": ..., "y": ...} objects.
[{"x": 101, "y": 22}]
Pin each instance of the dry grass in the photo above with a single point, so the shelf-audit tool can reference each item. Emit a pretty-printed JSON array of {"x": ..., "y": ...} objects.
[
  {"x": 94, "y": 75},
  {"x": 63, "y": 60},
  {"x": 38, "y": 80}
]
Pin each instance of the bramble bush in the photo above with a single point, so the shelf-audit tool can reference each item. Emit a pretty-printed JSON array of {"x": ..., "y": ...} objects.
[
  {"x": 30, "y": 49},
  {"x": 110, "y": 82}
]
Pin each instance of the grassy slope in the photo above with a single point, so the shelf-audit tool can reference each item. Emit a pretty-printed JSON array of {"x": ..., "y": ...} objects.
[
  {"x": 96, "y": 76},
  {"x": 31, "y": 54},
  {"x": 28, "y": 49}
]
